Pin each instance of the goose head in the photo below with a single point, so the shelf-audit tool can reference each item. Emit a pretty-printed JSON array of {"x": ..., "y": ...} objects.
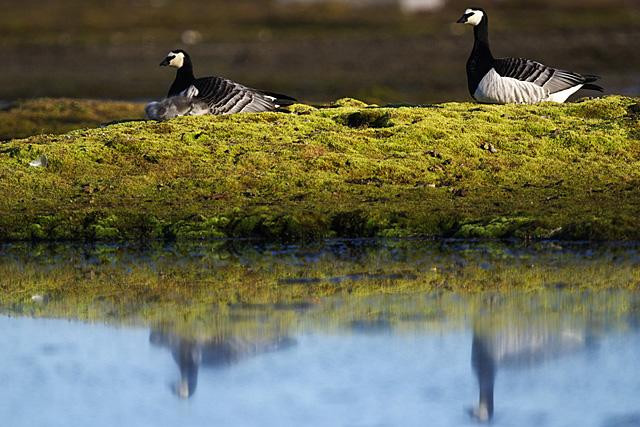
[
  {"x": 473, "y": 16},
  {"x": 176, "y": 59},
  {"x": 185, "y": 388},
  {"x": 481, "y": 413}
]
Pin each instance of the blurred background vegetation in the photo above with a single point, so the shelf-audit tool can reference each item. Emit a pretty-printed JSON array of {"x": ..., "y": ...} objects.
[{"x": 384, "y": 51}]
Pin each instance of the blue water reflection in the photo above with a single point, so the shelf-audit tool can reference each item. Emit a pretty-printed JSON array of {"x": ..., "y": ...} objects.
[{"x": 573, "y": 367}]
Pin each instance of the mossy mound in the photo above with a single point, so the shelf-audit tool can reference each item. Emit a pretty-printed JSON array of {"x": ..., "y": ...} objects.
[
  {"x": 45, "y": 115},
  {"x": 548, "y": 171}
]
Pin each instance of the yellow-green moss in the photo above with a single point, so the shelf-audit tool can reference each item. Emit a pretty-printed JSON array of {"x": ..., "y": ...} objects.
[
  {"x": 38, "y": 116},
  {"x": 548, "y": 171}
]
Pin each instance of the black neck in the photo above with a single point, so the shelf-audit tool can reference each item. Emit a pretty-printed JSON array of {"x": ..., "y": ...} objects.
[
  {"x": 485, "y": 368},
  {"x": 184, "y": 78},
  {"x": 481, "y": 59},
  {"x": 481, "y": 32}
]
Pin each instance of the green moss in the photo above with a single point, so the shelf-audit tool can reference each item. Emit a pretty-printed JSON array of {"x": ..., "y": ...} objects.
[
  {"x": 498, "y": 228},
  {"x": 301, "y": 109},
  {"x": 366, "y": 119},
  {"x": 604, "y": 108},
  {"x": 106, "y": 229},
  {"x": 349, "y": 102},
  {"x": 38, "y": 116},
  {"x": 198, "y": 228},
  {"x": 353, "y": 224},
  {"x": 547, "y": 171}
]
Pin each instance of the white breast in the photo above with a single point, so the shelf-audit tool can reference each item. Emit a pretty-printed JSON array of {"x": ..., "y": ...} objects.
[{"x": 495, "y": 89}]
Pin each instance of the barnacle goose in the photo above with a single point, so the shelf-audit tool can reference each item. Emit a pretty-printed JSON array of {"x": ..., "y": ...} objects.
[
  {"x": 221, "y": 95},
  {"x": 515, "y": 80},
  {"x": 183, "y": 104}
]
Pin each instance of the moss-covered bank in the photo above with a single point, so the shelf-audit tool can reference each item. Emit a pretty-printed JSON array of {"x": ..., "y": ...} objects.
[
  {"x": 549, "y": 171},
  {"x": 36, "y": 116}
]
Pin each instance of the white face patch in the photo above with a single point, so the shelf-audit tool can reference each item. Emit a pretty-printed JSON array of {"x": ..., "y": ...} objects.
[
  {"x": 177, "y": 61},
  {"x": 475, "y": 18}
]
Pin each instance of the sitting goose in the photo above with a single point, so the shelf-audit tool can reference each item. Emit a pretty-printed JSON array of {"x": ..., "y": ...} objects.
[
  {"x": 221, "y": 95},
  {"x": 218, "y": 352},
  {"x": 183, "y": 104},
  {"x": 515, "y": 80}
]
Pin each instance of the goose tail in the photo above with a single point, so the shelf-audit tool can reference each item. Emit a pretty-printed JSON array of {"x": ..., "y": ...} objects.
[
  {"x": 588, "y": 80},
  {"x": 280, "y": 99},
  {"x": 590, "y": 86}
]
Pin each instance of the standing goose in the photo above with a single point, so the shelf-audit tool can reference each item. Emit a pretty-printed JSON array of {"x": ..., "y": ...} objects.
[
  {"x": 223, "y": 96},
  {"x": 515, "y": 80}
]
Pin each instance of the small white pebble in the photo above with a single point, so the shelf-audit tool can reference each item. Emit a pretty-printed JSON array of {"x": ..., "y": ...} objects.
[{"x": 41, "y": 161}]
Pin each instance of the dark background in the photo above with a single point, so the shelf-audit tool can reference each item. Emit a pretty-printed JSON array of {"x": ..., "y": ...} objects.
[{"x": 317, "y": 52}]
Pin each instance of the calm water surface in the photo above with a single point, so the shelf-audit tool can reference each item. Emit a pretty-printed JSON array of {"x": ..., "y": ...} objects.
[{"x": 559, "y": 357}]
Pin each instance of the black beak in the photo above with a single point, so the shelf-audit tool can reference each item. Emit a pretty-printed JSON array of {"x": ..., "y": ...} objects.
[
  {"x": 463, "y": 19},
  {"x": 165, "y": 62}
]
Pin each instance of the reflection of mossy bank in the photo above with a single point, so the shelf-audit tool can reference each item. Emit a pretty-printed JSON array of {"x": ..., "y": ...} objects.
[
  {"x": 550, "y": 171},
  {"x": 210, "y": 289}
]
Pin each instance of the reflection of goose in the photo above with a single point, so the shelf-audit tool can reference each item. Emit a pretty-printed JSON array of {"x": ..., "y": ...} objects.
[
  {"x": 190, "y": 354},
  {"x": 515, "y": 346}
]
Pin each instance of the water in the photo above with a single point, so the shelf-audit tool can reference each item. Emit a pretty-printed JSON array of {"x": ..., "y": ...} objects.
[{"x": 558, "y": 356}]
